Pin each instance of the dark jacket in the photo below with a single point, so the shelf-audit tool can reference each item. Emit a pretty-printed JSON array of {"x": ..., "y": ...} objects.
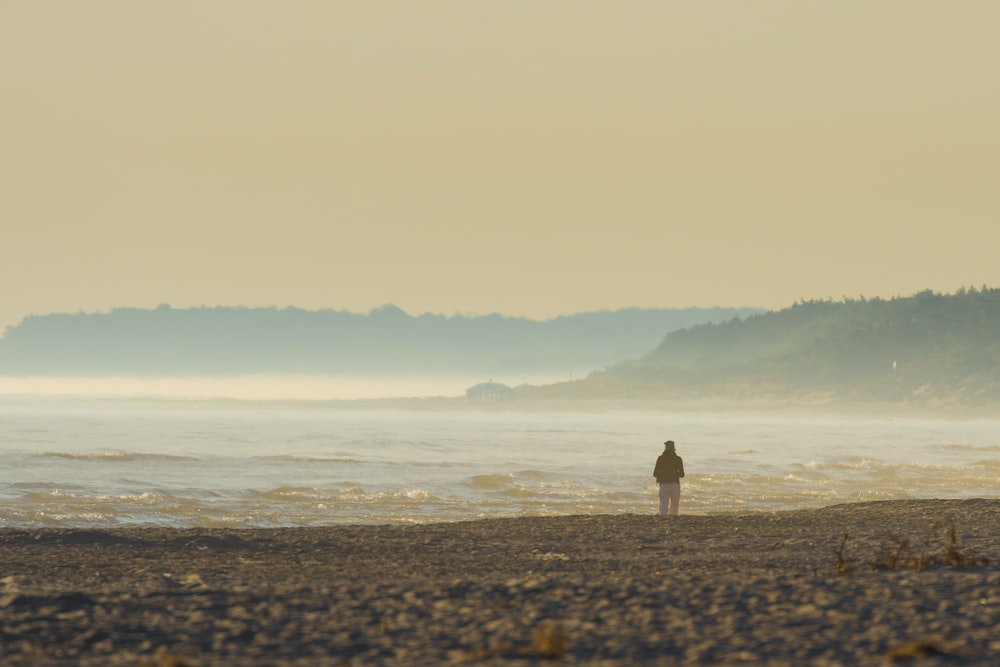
[{"x": 669, "y": 468}]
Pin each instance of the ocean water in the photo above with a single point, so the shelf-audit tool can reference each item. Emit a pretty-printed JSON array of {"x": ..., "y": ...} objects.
[{"x": 89, "y": 462}]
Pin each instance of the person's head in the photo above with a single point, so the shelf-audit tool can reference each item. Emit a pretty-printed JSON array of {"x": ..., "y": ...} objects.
[{"x": 668, "y": 446}]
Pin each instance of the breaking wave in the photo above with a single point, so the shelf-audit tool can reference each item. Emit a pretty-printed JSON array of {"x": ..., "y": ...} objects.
[
  {"x": 312, "y": 459},
  {"x": 113, "y": 457}
]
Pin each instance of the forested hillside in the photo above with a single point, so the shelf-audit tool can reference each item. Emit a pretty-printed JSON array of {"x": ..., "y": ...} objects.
[{"x": 930, "y": 348}]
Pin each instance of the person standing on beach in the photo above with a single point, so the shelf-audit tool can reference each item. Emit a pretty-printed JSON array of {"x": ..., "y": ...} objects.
[{"x": 668, "y": 472}]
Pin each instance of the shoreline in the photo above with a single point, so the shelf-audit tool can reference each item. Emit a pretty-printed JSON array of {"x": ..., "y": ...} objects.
[
  {"x": 717, "y": 406},
  {"x": 760, "y": 588}
]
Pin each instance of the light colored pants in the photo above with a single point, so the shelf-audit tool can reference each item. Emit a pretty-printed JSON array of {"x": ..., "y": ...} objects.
[{"x": 670, "y": 498}]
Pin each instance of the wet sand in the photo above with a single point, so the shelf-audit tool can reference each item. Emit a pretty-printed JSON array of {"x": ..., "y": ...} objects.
[{"x": 757, "y": 589}]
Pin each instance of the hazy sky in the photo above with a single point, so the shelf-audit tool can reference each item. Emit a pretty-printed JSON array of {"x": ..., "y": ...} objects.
[{"x": 529, "y": 158}]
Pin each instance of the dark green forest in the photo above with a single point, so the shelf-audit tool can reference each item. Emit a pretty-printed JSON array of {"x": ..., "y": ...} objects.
[{"x": 931, "y": 349}]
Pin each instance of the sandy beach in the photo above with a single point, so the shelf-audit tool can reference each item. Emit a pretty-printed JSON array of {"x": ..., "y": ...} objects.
[{"x": 913, "y": 582}]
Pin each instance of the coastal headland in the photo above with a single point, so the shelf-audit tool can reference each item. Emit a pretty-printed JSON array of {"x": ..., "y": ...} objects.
[{"x": 894, "y": 582}]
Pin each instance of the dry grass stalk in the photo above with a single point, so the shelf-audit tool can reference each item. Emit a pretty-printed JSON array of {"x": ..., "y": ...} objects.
[
  {"x": 842, "y": 566},
  {"x": 902, "y": 557}
]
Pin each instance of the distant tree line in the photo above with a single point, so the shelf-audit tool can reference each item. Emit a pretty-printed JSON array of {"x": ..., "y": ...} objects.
[{"x": 385, "y": 342}]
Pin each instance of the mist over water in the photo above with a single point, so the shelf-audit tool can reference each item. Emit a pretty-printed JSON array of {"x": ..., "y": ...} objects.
[
  {"x": 78, "y": 462},
  {"x": 247, "y": 387}
]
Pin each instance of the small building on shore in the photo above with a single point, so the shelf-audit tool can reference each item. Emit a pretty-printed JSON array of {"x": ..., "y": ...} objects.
[{"x": 489, "y": 392}]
